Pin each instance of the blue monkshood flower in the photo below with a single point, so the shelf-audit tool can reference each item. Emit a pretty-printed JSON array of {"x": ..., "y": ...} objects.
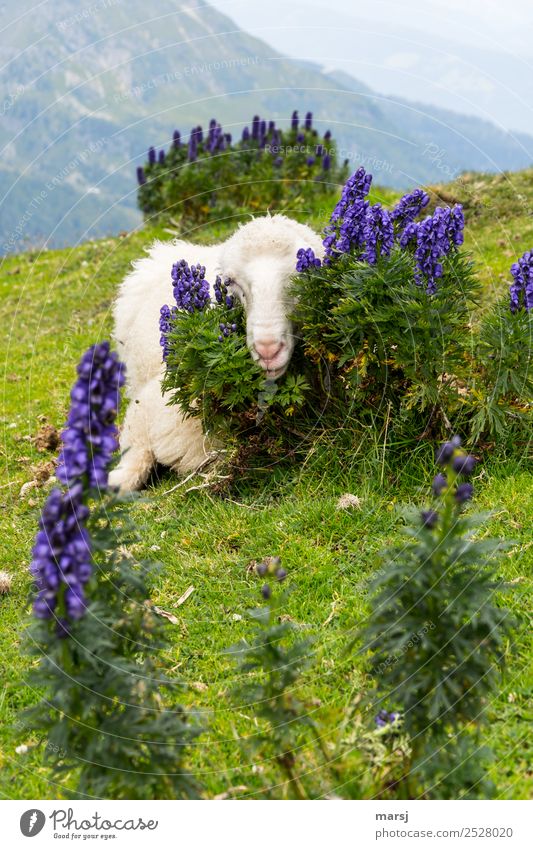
[
  {"x": 161, "y": 157},
  {"x": 319, "y": 150},
  {"x": 141, "y": 176},
  {"x": 191, "y": 289},
  {"x": 435, "y": 237},
  {"x": 521, "y": 291},
  {"x": 151, "y": 155},
  {"x": 226, "y": 330},
  {"x": 256, "y": 124},
  {"x": 384, "y": 718},
  {"x": 355, "y": 188},
  {"x": 61, "y": 557},
  {"x": 464, "y": 492},
  {"x": 227, "y": 139},
  {"x": 294, "y": 121},
  {"x": 464, "y": 464},
  {"x": 176, "y": 139},
  {"x": 309, "y": 121},
  {"x": 351, "y": 231},
  {"x": 440, "y": 482},
  {"x": 310, "y": 161},
  {"x": 166, "y": 316},
  {"x": 327, "y": 136},
  {"x": 378, "y": 234},
  {"x": 278, "y": 162},
  {"x": 345, "y": 230},
  {"x": 326, "y": 162},
  {"x": 300, "y": 138},
  {"x": 305, "y": 258},
  {"x": 246, "y": 135},
  {"x": 192, "y": 151},
  {"x": 199, "y": 134},
  {"x": 262, "y": 128},
  {"x": 445, "y": 452},
  {"x": 90, "y": 435},
  {"x": 222, "y": 297},
  {"x": 409, "y": 207},
  {"x": 271, "y": 127}
]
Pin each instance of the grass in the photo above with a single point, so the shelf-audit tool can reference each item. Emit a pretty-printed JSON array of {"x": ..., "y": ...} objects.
[{"x": 54, "y": 305}]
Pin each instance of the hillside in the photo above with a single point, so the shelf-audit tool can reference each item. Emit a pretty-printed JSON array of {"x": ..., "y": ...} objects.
[
  {"x": 85, "y": 91},
  {"x": 53, "y": 305}
]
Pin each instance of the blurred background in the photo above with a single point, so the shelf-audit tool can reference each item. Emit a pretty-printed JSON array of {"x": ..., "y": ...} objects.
[{"x": 416, "y": 92}]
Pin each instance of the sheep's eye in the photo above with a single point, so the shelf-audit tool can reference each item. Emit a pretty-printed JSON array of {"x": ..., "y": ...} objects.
[{"x": 236, "y": 289}]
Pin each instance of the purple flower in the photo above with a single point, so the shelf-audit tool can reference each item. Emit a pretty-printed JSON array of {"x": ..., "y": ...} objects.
[
  {"x": 61, "y": 558},
  {"x": 220, "y": 289},
  {"x": 378, "y": 234},
  {"x": 266, "y": 592},
  {"x": 445, "y": 451},
  {"x": 464, "y": 492},
  {"x": 440, "y": 483},
  {"x": 464, "y": 464},
  {"x": 309, "y": 121},
  {"x": 166, "y": 316},
  {"x": 326, "y": 162},
  {"x": 256, "y": 124},
  {"x": 310, "y": 161},
  {"x": 246, "y": 135},
  {"x": 90, "y": 436},
  {"x": 521, "y": 291},
  {"x": 226, "y": 330},
  {"x": 161, "y": 157},
  {"x": 327, "y": 136},
  {"x": 191, "y": 289},
  {"x": 141, "y": 177},
  {"x": 176, "y": 139},
  {"x": 305, "y": 258},
  {"x": 384, "y": 718},
  {"x": 294, "y": 121},
  {"x": 151, "y": 156},
  {"x": 435, "y": 237},
  {"x": 278, "y": 162},
  {"x": 409, "y": 207},
  {"x": 356, "y": 187}
]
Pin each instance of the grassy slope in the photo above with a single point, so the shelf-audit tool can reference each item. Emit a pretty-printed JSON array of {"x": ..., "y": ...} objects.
[{"x": 55, "y": 304}]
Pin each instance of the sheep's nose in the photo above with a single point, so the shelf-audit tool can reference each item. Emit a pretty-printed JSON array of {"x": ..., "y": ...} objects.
[{"x": 268, "y": 348}]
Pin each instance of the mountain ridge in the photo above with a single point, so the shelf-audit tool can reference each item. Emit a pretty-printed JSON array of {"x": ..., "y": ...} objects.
[{"x": 83, "y": 101}]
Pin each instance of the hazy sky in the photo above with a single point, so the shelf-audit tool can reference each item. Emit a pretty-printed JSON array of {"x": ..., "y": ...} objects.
[
  {"x": 491, "y": 24},
  {"x": 474, "y": 57}
]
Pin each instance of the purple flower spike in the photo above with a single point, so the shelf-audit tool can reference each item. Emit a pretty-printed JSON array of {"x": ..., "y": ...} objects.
[
  {"x": 294, "y": 121},
  {"x": 309, "y": 121},
  {"x": 521, "y": 291},
  {"x": 305, "y": 258},
  {"x": 151, "y": 156},
  {"x": 90, "y": 435},
  {"x": 191, "y": 289},
  {"x": 141, "y": 177},
  {"x": 435, "y": 237},
  {"x": 409, "y": 207},
  {"x": 378, "y": 234},
  {"x": 176, "y": 139}
]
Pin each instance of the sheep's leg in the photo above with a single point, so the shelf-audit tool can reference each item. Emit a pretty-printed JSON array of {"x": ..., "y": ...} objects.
[
  {"x": 136, "y": 458},
  {"x": 154, "y": 432}
]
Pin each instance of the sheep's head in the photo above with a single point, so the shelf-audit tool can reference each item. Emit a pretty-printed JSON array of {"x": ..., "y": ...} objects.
[{"x": 259, "y": 260}]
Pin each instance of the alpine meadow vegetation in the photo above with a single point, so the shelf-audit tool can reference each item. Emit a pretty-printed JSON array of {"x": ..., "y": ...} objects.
[{"x": 388, "y": 654}]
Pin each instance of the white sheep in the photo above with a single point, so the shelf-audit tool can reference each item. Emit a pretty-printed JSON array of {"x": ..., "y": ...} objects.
[{"x": 259, "y": 258}]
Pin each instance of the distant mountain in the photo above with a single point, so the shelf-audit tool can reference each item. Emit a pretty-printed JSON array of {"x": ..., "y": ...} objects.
[{"x": 85, "y": 90}]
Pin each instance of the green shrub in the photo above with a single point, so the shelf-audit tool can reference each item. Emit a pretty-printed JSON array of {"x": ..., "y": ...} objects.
[
  {"x": 392, "y": 335},
  {"x": 212, "y": 177}
]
